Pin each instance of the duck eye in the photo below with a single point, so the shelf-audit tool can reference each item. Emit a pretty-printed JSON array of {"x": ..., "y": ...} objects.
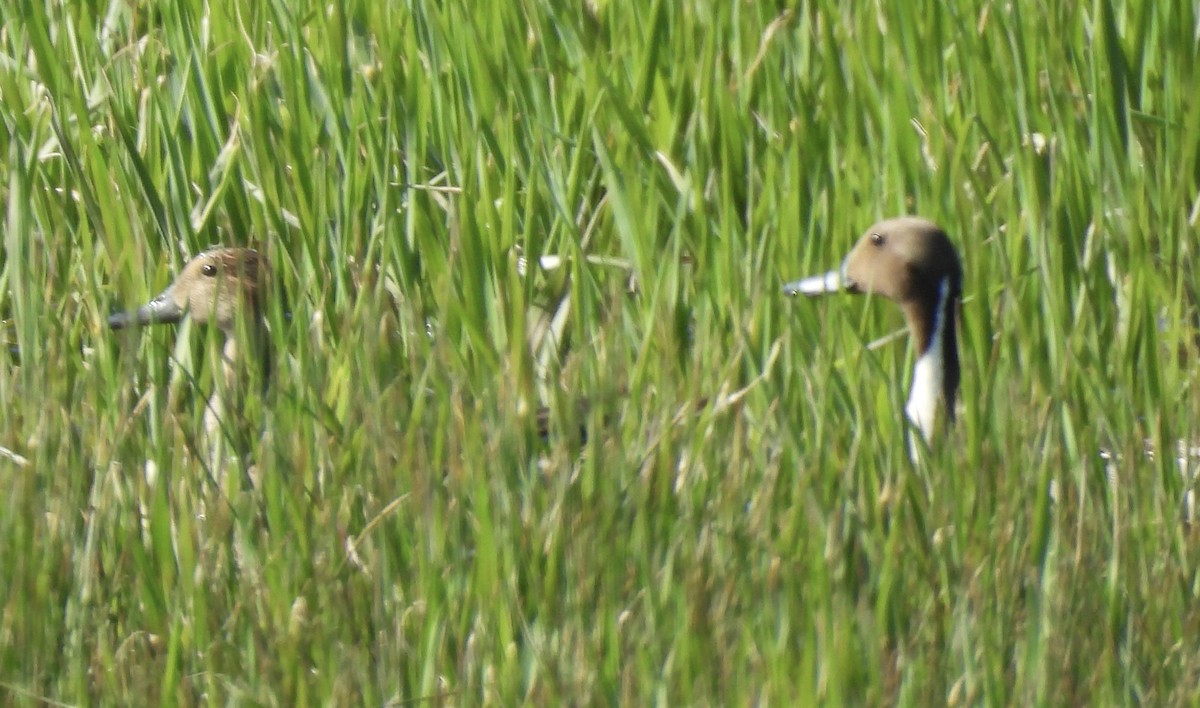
[
  {"x": 877, "y": 239},
  {"x": 209, "y": 270}
]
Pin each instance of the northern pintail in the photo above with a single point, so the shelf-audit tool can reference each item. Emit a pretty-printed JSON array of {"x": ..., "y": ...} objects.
[
  {"x": 215, "y": 287},
  {"x": 224, "y": 288},
  {"x": 910, "y": 261}
]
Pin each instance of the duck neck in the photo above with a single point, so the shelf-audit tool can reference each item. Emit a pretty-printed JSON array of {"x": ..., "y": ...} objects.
[
  {"x": 935, "y": 380},
  {"x": 247, "y": 352}
]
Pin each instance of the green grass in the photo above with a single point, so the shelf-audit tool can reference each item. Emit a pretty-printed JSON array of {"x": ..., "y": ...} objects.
[{"x": 413, "y": 541}]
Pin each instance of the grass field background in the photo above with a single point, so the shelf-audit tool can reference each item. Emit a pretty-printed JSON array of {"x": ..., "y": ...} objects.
[{"x": 671, "y": 164}]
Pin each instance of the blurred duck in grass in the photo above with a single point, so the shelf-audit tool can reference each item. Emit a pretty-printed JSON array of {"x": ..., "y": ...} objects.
[
  {"x": 910, "y": 261},
  {"x": 223, "y": 289}
]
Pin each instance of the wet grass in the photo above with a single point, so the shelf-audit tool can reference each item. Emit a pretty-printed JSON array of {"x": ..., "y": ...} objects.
[{"x": 664, "y": 170}]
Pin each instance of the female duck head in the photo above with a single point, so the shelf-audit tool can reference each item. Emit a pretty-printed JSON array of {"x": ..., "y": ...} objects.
[{"x": 211, "y": 289}]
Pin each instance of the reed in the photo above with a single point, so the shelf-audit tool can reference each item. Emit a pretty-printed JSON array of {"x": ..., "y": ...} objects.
[{"x": 663, "y": 169}]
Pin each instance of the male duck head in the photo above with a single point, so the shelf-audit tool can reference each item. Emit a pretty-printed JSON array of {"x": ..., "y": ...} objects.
[
  {"x": 911, "y": 262},
  {"x": 211, "y": 289}
]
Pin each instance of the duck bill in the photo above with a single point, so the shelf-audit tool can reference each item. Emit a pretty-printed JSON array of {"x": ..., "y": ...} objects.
[
  {"x": 832, "y": 282},
  {"x": 162, "y": 309}
]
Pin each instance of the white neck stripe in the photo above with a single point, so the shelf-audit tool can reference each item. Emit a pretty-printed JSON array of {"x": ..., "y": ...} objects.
[{"x": 929, "y": 373}]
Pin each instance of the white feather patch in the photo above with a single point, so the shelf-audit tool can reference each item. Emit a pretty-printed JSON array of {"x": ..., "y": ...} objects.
[{"x": 929, "y": 373}]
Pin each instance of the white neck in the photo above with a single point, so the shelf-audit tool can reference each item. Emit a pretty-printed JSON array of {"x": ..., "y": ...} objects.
[{"x": 929, "y": 373}]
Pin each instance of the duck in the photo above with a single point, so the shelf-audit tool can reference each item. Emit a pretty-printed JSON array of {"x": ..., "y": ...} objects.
[
  {"x": 219, "y": 288},
  {"x": 222, "y": 287},
  {"x": 910, "y": 261}
]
